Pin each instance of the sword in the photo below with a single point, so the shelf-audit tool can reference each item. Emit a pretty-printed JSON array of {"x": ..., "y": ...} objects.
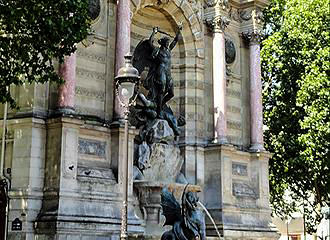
[{"x": 160, "y": 31}]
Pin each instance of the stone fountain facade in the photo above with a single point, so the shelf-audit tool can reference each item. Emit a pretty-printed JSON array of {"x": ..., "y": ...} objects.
[{"x": 64, "y": 146}]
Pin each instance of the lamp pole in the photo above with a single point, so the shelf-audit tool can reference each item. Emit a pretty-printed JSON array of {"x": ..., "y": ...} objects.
[
  {"x": 123, "y": 235},
  {"x": 126, "y": 89}
]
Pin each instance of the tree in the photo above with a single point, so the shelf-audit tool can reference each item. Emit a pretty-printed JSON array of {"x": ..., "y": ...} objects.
[
  {"x": 32, "y": 34},
  {"x": 296, "y": 90}
]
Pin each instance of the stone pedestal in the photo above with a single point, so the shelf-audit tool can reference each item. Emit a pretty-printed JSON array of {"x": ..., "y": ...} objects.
[
  {"x": 164, "y": 163},
  {"x": 236, "y": 193},
  {"x": 82, "y": 191}
]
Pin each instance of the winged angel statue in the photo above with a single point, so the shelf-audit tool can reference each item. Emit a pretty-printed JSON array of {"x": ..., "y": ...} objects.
[
  {"x": 188, "y": 221},
  {"x": 158, "y": 82}
]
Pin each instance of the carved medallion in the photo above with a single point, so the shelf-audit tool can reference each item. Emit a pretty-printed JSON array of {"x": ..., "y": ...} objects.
[
  {"x": 94, "y": 9},
  {"x": 230, "y": 51}
]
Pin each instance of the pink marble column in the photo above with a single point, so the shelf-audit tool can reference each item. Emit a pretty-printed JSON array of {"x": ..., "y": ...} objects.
[
  {"x": 66, "y": 92},
  {"x": 218, "y": 26},
  {"x": 123, "y": 43},
  {"x": 257, "y": 142}
]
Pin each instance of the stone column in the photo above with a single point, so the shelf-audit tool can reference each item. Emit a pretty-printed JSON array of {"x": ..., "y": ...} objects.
[
  {"x": 257, "y": 142},
  {"x": 123, "y": 43},
  {"x": 66, "y": 92},
  {"x": 218, "y": 25}
]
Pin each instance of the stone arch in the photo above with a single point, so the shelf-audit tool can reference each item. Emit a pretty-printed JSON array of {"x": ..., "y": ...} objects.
[
  {"x": 179, "y": 11},
  {"x": 188, "y": 69}
]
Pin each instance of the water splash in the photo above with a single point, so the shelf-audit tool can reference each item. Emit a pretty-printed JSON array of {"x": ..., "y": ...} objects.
[{"x": 210, "y": 217}]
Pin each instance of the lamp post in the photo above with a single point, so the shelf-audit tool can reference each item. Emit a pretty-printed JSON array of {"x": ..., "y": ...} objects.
[{"x": 126, "y": 89}]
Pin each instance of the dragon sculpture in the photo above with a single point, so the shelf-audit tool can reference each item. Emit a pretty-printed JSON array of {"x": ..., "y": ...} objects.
[{"x": 187, "y": 220}]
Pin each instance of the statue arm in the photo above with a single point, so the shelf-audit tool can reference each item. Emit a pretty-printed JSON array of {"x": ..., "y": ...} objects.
[
  {"x": 176, "y": 38},
  {"x": 152, "y": 36}
]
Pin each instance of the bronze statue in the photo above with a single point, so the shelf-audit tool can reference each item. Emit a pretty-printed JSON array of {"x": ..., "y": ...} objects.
[
  {"x": 188, "y": 221},
  {"x": 158, "y": 81},
  {"x": 153, "y": 106}
]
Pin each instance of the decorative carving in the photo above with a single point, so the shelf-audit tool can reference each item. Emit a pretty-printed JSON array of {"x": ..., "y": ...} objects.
[
  {"x": 100, "y": 95},
  {"x": 91, "y": 147},
  {"x": 253, "y": 37},
  {"x": 233, "y": 93},
  {"x": 258, "y": 15},
  {"x": 244, "y": 190},
  {"x": 94, "y": 9},
  {"x": 234, "y": 125},
  {"x": 245, "y": 15},
  {"x": 230, "y": 51},
  {"x": 234, "y": 14},
  {"x": 100, "y": 58},
  {"x": 239, "y": 169},
  {"x": 233, "y": 109},
  {"x": 213, "y": 3},
  {"x": 87, "y": 74},
  {"x": 218, "y": 23},
  {"x": 197, "y": 8}
]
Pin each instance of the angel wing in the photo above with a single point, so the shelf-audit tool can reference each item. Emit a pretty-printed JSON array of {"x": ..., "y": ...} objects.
[
  {"x": 171, "y": 208},
  {"x": 143, "y": 57}
]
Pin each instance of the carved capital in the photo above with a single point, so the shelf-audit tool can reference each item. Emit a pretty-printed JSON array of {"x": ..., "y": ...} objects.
[
  {"x": 252, "y": 37},
  {"x": 218, "y": 23},
  {"x": 213, "y": 3}
]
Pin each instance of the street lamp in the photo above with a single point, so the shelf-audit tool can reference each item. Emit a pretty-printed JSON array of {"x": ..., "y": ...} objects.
[{"x": 126, "y": 89}]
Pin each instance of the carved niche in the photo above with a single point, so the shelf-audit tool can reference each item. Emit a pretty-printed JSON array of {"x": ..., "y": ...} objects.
[
  {"x": 230, "y": 51},
  {"x": 94, "y": 9}
]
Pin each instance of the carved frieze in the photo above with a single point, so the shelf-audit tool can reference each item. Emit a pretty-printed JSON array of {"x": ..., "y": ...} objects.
[
  {"x": 244, "y": 15},
  {"x": 92, "y": 147},
  {"x": 233, "y": 93},
  {"x": 234, "y": 125},
  {"x": 241, "y": 189},
  {"x": 90, "y": 75},
  {"x": 89, "y": 55},
  {"x": 100, "y": 95},
  {"x": 239, "y": 169}
]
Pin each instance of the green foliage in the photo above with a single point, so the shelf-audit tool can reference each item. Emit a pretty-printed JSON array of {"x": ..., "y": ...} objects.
[
  {"x": 35, "y": 32},
  {"x": 295, "y": 63}
]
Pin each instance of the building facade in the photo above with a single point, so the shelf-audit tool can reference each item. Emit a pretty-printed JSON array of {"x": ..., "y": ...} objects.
[{"x": 64, "y": 147}]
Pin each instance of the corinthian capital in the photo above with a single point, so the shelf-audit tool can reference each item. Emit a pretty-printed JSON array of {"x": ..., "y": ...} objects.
[
  {"x": 253, "y": 37},
  {"x": 213, "y": 3},
  {"x": 218, "y": 23}
]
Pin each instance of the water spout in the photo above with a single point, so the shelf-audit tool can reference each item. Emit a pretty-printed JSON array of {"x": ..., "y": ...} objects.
[{"x": 210, "y": 217}]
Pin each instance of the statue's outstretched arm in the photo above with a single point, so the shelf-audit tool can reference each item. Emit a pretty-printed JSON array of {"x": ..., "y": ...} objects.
[
  {"x": 175, "y": 40},
  {"x": 152, "y": 36}
]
